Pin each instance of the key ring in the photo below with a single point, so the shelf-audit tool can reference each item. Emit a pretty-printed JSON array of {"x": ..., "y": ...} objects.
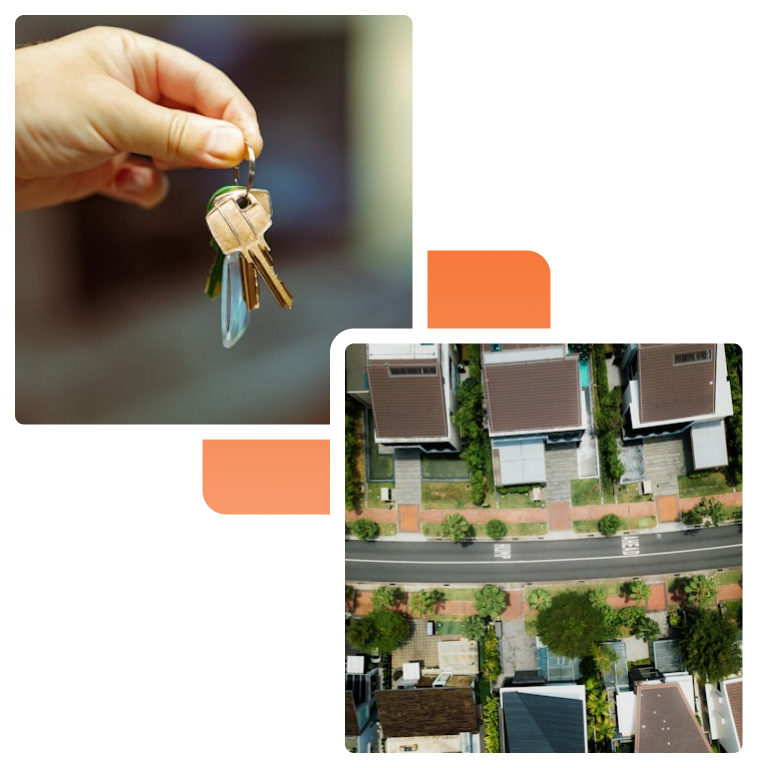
[{"x": 250, "y": 173}]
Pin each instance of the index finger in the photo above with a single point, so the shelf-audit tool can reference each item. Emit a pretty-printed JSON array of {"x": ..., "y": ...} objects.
[{"x": 166, "y": 73}]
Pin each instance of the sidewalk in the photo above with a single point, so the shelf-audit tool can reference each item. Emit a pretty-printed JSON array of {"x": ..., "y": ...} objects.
[{"x": 558, "y": 515}]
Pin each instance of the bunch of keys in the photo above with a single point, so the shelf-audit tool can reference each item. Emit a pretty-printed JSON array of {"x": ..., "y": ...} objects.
[{"x": 238, "y": 218}]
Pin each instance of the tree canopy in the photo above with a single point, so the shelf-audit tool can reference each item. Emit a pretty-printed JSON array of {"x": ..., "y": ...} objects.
[
  {"x": 382, "y": 629},
  {"x": 570, "y": 625},
  {"x": 710, "y": 646},
  {"x": 490, "y": 601}
]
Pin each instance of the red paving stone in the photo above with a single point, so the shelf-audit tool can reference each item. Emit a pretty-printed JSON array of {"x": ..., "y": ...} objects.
[
  {"x": 409, "y": 518},
  {"x": 559, "y": 515},
  {"x": 657, "y": 599},
  {"x": 668, "y": 509},
  {"x": 515, "y": 608}
]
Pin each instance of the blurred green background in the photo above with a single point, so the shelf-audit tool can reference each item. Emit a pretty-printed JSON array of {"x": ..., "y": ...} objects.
[{"x": 112, "y": 326}]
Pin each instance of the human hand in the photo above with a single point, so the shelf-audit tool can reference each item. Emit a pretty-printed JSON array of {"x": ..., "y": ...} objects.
[{"x": 85, "y": 102}]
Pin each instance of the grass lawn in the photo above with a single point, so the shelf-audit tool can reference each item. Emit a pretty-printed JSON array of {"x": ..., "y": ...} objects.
[
  {"x": 704, "y": 484},
  {"x": 729, "y": 577},
  {"x": 385, "y": 529},
  {"x": 516, "y": 501},
  {"x": 627, "y": 524},
  {"x": 585, "y": 493},
  {"x": 380, "y": 466},
  {"x": 630, "y": 494},
  {"x": 479, "y": 530},
  {"x": 451, "y": 495},
  {"x": 443, "y": 467},
  {"x": 374, "y": 494}
]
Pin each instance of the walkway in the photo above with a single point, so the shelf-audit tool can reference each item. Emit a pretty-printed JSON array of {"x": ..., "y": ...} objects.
[{"x": 559, "y": 515}]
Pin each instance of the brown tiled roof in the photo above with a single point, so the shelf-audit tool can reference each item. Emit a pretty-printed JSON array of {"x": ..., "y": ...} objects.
[
  {"x": 407, "y": 406},
  {"x": 665, "y": 722},
  {"x": 427, "y": 712},
  {"x": 734, "y": 693},
  {"x": 533, "y": 396},
  {"x": 351, "y": 716},
  {"x": 671, "y": 390}
]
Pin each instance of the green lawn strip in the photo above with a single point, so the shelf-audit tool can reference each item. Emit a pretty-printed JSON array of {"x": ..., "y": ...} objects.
[
  {"x": 516, "y": 501},
  {"x": 627, "y": 524},
  {"x": 704, "y": 484},
  {"x": 447, "y": 467},
  {"x": 729, "y": 577},
  {"x": 630, "y": 494},
  {"x": 479, "y": 530},
  {"x": 449, "y": 495},
  {"x": 385, "y": 529},
  {"x": 374, "y": 494},
  {"x": 585, "y": 493}
]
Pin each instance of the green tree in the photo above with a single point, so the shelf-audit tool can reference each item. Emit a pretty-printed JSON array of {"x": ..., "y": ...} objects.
[
  {"x": 473, "y": 627},
  {"x": 360, "y": 634},
  {"x": 491, "y": 718},
  {"x": 382, "y": 630},
  {"x": 490, "y": 601},
  {"x": 385, "y": 597},
  {"x": 638, "y": 591},
  {"x": 710, "y": 645},
  {"x": 365, "y": 529},
  {"x": 353, "y": 420},
  {"x": 491, "y": 667},
  {"x": 424, "y": 601},
  {"x": 598, "y": 596},
  {"x": 708, "y": 512},
  {"x": 604, "y": 657},
  {"x": 496, "y": 529},
  {"x": 647, "y": 629},
  {"x": 570, "y": 625},
  {"x": 609, "y": 524},
  {"x": 539, "y": 599},
  {"x": 455, "y": 527},
  {"x": 701, "y": 589},
  {"x": 604, "y": 729}
]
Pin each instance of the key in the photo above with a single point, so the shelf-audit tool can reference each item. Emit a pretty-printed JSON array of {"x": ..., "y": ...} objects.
[{"x": 238, "y": 220}]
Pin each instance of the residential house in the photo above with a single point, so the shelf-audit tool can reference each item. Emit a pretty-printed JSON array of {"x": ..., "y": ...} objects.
[
  {"x": 430, "y": 720},
  {"x": 665, "y": 721},
  {"x": 725, "y": 713},
  {"x": 549, "y": 718},
  {"x": 361, "y": 733},
  {"x": 673, "y": 388},
  {"x": 533, "y": 395},
  {"x": 411, "y": 392}
]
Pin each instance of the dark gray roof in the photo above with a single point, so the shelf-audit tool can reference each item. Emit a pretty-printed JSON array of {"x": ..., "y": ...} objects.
[{"x": 538, "y": 723}]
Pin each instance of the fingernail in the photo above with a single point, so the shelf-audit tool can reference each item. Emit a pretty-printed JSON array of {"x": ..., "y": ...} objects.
[
  {"x": 224, "y": 143},
  {"x": 131, "y": 180}
]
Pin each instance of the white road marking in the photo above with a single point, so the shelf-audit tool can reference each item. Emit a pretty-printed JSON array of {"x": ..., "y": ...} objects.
[{"x": 555, "y": 560}]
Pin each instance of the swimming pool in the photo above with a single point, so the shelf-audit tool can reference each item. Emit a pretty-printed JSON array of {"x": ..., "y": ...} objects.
[{"x": 584, "y": 373}]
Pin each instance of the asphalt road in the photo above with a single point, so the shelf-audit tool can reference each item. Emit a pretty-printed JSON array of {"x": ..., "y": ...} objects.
[{"x": 646, "y": 554}]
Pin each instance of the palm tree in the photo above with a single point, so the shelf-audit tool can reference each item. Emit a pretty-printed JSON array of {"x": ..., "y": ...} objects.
[
  {"x": 647, "y": 629},
  {"x": 604, "y": 729},
  {"x": 639, "y": 591},
  {"x": 539, "y": 599},
  {"x": 598, "y": 596},
  {"x": 455, "y": 527},
  {"x": 423, "y": 602},
  {"x": 598, "y": 706},
  {"x": 702, "y": 589},
  {"x": 473, "y": 627}
]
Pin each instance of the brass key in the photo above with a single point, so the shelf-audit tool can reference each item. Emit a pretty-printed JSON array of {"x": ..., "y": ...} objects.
[{"x": 238, "y": 221}]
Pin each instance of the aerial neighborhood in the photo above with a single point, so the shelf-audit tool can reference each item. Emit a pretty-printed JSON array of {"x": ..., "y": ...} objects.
[{"x": 543, "y": 548}]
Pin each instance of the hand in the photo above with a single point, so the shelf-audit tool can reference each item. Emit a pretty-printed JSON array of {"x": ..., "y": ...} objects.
[{"x": 86, "y": 101}]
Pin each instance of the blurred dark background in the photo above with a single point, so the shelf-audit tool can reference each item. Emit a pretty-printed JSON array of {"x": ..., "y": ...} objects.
[{"x": 112, "y": 325}]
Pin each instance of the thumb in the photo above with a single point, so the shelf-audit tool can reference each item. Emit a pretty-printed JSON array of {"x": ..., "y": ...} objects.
[{"x": 176, "y": 137}]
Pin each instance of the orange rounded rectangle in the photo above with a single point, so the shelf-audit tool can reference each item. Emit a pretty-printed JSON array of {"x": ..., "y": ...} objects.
[
  {"x": 266, "y": 477},
  {"x": 487, "y": 289}
]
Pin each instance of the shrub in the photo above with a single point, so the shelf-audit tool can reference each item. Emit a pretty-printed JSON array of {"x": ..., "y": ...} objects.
[
  {"x": 365, "y": 529},
  {"x": 609, "y": 524},
  {"x": 496, "y": 529}
]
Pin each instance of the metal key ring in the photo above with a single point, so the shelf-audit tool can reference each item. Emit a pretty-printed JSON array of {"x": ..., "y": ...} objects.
[{"x": 251, "y": 170}]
